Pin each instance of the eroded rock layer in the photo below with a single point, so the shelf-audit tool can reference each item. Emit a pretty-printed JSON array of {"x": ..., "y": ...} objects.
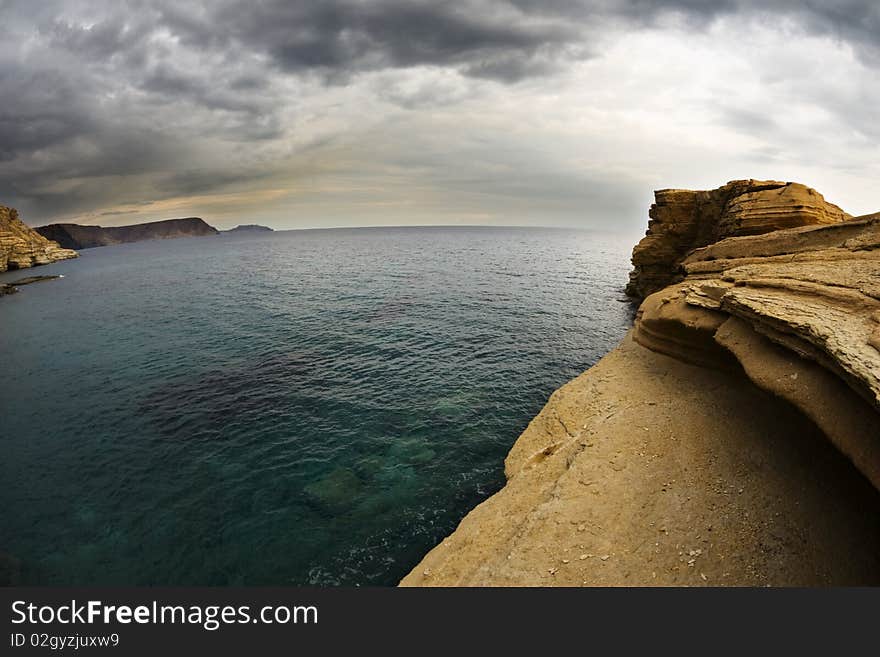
[
  {"x": 799, "y": 311},
  {"x": 22, "y": 247},
  {"x": 682, "y": 220}
]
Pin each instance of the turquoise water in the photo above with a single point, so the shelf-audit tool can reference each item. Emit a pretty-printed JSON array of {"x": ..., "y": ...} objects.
[{"x": 304, "y": 407}]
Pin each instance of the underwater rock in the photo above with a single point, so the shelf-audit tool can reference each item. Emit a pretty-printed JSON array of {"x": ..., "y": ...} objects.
[
  {"x": 10, "y": 570},
  {"x": 336, "y": 492}
]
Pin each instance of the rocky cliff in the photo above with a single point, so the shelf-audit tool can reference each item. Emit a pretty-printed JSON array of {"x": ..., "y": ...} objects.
[
  {"x": 682, "y": 220},
  {"x": 732, "y": 438},
  {"x": 21, "y": 246},
  {"x": 75, "y": 236}
]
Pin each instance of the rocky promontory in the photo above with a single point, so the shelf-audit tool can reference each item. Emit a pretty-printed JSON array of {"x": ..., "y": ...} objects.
[
  {"x": 22, "y": 247},
  {"x": 733, "y": 438},
  {"x": 250, "y": 228},
  {"x": 682, "y": 220},
  {"x": 76, "y": 236}
]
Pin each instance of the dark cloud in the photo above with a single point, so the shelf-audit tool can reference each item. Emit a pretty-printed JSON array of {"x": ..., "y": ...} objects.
[
  {"x": 201, "y": 181},
  {"x": 161, "y": 95},
  {"x": 856, "y": 22},
  {"x": 338, "y": 38},
  {"x": 107, "y": 38},
  {"x": 39, "y": 108}
]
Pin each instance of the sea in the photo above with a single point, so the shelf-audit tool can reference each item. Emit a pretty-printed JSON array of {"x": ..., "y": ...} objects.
[{"x": 309, "y": 407}]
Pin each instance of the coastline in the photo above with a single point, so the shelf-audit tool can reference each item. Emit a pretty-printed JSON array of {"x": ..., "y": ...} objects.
[
  {"x": 21, "y": 247},
  {"x": 732, "y": 438}
]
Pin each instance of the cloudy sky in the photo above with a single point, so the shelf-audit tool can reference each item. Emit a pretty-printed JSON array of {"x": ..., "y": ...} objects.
[{"x": 373, "y": 112}]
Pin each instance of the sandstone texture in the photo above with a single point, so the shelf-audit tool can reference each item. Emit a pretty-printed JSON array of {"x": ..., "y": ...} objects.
[
  {"x": 798, "y": 310},
  {"x": 75, "y": 236},
  {"x": 733, "y": 438},
  {"x": 682, "y": 220},
  {"x": 22, "y": 247}
]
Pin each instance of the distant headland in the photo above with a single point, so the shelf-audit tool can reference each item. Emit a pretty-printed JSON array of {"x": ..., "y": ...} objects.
[
  {"x": 75, "y": 236},
  {"x": 22, "y": 246},
  {"x": 250, "y": 228}
]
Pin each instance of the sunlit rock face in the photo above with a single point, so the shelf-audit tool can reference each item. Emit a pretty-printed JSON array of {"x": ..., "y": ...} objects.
[
  {"x": 22, "y": 247},
  {"x": 682, "y": 220}
]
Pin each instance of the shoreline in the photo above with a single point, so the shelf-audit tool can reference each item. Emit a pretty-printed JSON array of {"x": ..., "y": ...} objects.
[{"x": 644, "y": 471}]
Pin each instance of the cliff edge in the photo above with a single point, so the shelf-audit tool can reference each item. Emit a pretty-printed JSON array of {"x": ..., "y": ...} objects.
[
  {"x": 682, "y": 220},
  {"x": 733, "y": 438},
  {"x": 22, "y": 247}
]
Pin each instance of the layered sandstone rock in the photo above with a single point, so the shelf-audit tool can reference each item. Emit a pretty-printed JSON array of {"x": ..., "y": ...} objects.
[
  {"x": 732, "y": 438},
  {"x": 682, "y": 220},
  {"x": 76, "y": 236},
  {"x": 799, "y": 311},
  {"x": 21, "y": 246}
]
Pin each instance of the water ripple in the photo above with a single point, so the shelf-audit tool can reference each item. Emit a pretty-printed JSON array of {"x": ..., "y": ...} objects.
[{"x": 310, "y": 407}]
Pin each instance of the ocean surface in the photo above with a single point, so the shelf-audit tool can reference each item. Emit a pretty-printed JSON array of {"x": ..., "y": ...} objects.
[{"x": 304, "y": 407}]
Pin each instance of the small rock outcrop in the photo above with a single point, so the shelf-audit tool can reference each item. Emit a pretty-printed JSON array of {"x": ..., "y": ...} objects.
[
  {"x": 12, "y": 288},
  {"x": 22, "y": 247},
  {"x": 76, "y": 236},
  {"x": 682, "y": 220}
]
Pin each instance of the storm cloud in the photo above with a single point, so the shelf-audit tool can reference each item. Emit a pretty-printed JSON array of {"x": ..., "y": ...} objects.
[{"x": 351, "y": 112}]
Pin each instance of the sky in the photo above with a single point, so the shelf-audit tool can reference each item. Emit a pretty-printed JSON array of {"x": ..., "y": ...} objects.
[{"x": 330, "y": 113}]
